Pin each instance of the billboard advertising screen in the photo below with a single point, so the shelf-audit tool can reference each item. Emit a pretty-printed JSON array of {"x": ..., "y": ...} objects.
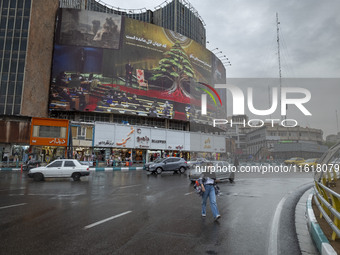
[{"x": 112, "y": 64}]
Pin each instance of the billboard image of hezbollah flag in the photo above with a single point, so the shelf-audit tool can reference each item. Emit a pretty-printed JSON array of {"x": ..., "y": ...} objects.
[{"x": 140, "y": 69}]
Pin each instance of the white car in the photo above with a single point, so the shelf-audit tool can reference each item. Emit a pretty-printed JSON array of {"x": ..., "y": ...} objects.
[{"x": 60, "y": 168}]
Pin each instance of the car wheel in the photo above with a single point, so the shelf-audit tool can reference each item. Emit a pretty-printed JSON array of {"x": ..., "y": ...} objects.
[
  {"x": 38, "y": 177},
  {"x": 159, "y": 170},
  {"x": 76, "y": 176},
  {"x": 182, "y": 170}
]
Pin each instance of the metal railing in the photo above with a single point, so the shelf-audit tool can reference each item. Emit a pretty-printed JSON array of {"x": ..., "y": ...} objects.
[
  {"x": 116, "y": 163},
  {"x": 328, "y": 201},
  {"x": 94, "y": 163},
  {"x": 6, "y": 164}
]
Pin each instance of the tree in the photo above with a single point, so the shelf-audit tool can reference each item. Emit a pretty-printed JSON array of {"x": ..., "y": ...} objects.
[{"x": 176, "y": 67}]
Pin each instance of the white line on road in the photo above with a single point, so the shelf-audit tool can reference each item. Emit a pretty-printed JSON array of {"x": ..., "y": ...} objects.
[
  {"x": 9, "y": 206},
  {"x": 123, "y": 187},
  {"x": 272, "y": 249},
  {"x": 188, "y": 193},
  {"x": 105, "y": 220}
]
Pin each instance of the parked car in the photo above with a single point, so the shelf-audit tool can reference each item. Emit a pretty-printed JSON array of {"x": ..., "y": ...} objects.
[
  {"x": 223, "y": 171},
  {"x": 167, "y": 164},
  {"x": 294, "y": 161},
  {"x": 60, "y": 168}
]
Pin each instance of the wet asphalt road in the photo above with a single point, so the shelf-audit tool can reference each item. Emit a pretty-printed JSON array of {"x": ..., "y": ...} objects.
[{"x": 137, "y": 213}]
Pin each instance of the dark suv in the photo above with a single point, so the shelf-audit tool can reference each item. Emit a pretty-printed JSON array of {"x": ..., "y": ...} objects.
[{"x": 167, "y": 164}]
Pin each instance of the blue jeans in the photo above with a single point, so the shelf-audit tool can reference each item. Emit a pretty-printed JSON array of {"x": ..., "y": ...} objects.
[{"x": 209, "y": 192}]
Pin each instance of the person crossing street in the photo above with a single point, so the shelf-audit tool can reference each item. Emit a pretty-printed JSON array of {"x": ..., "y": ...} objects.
[{"x": 207, "y": 181}]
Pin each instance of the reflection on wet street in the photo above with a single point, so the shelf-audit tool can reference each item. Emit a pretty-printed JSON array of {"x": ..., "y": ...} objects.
[{"x": 137, "y": 213}]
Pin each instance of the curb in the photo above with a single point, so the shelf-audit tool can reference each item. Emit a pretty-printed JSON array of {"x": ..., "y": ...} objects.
[
  {"x": 316, "y": 232},
  {"x": 10, "y": 169},
  {"x": 123, "y": 169}
]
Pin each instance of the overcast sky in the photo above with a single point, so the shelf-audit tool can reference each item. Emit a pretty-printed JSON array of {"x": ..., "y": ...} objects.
[{"x": 245, "y": 31}]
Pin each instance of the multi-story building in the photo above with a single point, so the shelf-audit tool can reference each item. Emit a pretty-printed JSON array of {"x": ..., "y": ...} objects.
[
  {"x": 282, "y": 142},
  {"x": 333, "y": 139},
  {"x": 178, "y": 15},
  {"x": 26, "y": 46},
  {"x": 238, "y": 135},
  {"x": 83, "y": 61}
]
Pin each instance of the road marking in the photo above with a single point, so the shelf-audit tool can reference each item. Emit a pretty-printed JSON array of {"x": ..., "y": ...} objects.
[
  {"x": 9, "y": 206},
  {"x": 274, "y": 231},
  {"x": 188, "y": 193},
  {"x": 105, "y": 220},
  {"x": 123, "y": 187}
]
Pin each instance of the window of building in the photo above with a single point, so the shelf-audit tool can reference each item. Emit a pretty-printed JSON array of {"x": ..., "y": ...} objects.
[
  {"x": 81, "y": 134},
  {"x": 12, "y": 22},
  {"x": 49, "y": 131}
]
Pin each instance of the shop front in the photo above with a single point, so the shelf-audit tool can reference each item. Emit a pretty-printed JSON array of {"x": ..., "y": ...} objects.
[
  {"x": 81, "y": 135},
  {"x": 14, "y": 141},
  {"x": 208, "y": 146},
  {"x": 129, "y": 144},
  {"x": 139, "y": 145},
  {"x": 48, "y": 139}
]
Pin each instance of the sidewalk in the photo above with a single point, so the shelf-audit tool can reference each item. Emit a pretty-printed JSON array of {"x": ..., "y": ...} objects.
[
  {"x": 117, "y": 168},
  {"x": 306, "y": 243},
  {"x": 319, "y": 229}
]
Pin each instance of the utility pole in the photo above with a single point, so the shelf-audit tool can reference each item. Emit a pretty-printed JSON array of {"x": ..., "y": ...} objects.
[
  {"x": 337, "y": 122},
  {"x": 279, "y": 56}
]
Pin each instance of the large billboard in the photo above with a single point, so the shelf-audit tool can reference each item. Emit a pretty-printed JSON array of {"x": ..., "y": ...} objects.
[{"x": 112, "y": 64}]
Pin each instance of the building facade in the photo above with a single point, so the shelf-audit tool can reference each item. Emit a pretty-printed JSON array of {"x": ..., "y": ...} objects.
[
  {"x": 333, "y": 139},
  {"x": 67, "y": 60},
  {"x": 282, "y": 143},
  {"x": 178, "y": 15},
  {"x": 26, "y": 46}
]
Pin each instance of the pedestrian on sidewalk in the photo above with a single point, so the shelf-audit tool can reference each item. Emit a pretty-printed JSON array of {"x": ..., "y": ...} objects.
[{"x": 207, "y": 181}]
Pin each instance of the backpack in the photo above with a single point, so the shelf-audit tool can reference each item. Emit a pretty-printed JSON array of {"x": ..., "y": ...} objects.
[{"x": 198, "y": 188}]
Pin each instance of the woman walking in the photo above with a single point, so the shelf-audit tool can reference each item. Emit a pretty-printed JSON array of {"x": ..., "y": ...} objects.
[{"x": 207, "y": 181}]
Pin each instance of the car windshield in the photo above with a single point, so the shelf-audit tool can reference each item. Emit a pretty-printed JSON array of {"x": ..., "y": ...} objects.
[{"x": 310, "y": 160}]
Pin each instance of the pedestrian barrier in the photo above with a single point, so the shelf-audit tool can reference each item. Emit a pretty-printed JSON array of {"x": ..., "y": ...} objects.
[
  {"x": 328, "y": 203},
  {"x": 326, "y": 197}
]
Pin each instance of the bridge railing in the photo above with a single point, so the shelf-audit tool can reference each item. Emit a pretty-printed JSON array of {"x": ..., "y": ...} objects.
[
  {"x": 328, "y": 203},
  {"x": 326, "y": 197}
]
